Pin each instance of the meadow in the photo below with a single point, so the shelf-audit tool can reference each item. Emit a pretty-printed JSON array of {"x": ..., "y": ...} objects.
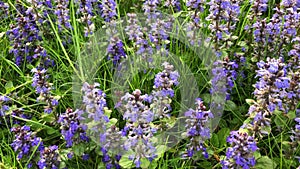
[{"x": 149, "y": 84}]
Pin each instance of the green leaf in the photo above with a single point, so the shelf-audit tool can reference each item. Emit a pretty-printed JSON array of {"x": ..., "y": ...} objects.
[
  {"x": 234, "y": 37},
  {"x": 125, "y": 162},
  {"x": 153, "y": 164},
  {"x": 257, "y": 154},
  {"x": 145, "y": 163},
  {"x": 222, "y": 136},
  {"x": 265, "y": 162},
  {"x": 280, "y": 120},
  {"x": 230, "y": 105},
  {"x": 291, "y": 115},
  {"x": 2, "y": 34},
  {"x": 214, "y": 140},
  {"x": 112, "y": 122},
  {"x": 9, "y": 86},
  {"x": 250, "y": 101},
  {"x": 48, "y": 117},
  {"x": 101, "y": 166},
  {"x": 177, "y": 14},
  {"x": 206, "y": 97},
  {"x": 78, "y": 149},
  {"x": 50, "y": 131},
  {"x": 161, "y": 149},
  {"x": 254, "y": 59},
  {"x": 242, "y": 43},
  {"x": 107, "y": 112}
]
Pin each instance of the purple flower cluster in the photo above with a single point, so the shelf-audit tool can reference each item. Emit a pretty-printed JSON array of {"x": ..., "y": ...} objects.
[
  {"x": 19, "y": 113},
  {"x": 138, "y": 129},
  {"x": 175, "y": 4},
  {"x": 4, "y": 9},
  {"x": 133, "y": 29},
  {"x": 295, "y": 137},
  {"x": 24, "y": 35},
  {"x": 86, "y": 11},
  {"x": 115, "y": 48},
  {"x": 3, "y": 105},
  {"x": 158, "y": 28},
  {"x": 219, "y": 80},
  {"x": 163, "y": 90},
  {"x": 110, "y": 137},
  {"x": 240, "y": 154},
  {"x": 197, "y": 125},
  {"x": 258, "y": 7},
  {"x": 159, "y": 32},
  {"x": 139, "y": 38},
  {"x": 25, "y": 142},
  {"x": 272, "y": 91},
  {"x": 43, "y": 88},
  {"x": 113, "y": 144},
  {"x": 196, "y": 7},
  {"x": 261, "y": 121},
  {"x": 165, "y": 80},
  {"x": 223, "y": 18},
  {"x": 108, "y": 10},
  {"x": 224, "y": 69},
  {"x": 49, "y": 158},
  {"x": 71, "y": 129},
  {"x": 294, "y": 54},
  {"x": 94, "y": 103},
  {"x": 272, "y": 85},
  {"x": 278, "y": 33},
  {"x": 296, "y": 132},
  {"x": 109, "y": 161},
  {"x": 150, "y": 8},
  {"x": 291, "y": 21},
  {"x": 62, "y": 13}
]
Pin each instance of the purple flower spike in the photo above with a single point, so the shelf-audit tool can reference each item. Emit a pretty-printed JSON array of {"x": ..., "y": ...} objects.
[
  {"x": 138, "y": 129},
  {"x": 49, "y": 158},
  {"x": 197, "y": 128},
  {"x": 3, "y": 105},
  {"x": 240, "y": 154},
  {"x": 108, "y": 10},
  {"x": 71, "y": 129},
  {"x": 62, "y": 13},
  {"x": 43, "y": 88},
  {"x": 25, "y": 142}
]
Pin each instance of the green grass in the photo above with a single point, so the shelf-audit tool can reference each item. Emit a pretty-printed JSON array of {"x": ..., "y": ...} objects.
[{"x": 72, "y": 67}]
